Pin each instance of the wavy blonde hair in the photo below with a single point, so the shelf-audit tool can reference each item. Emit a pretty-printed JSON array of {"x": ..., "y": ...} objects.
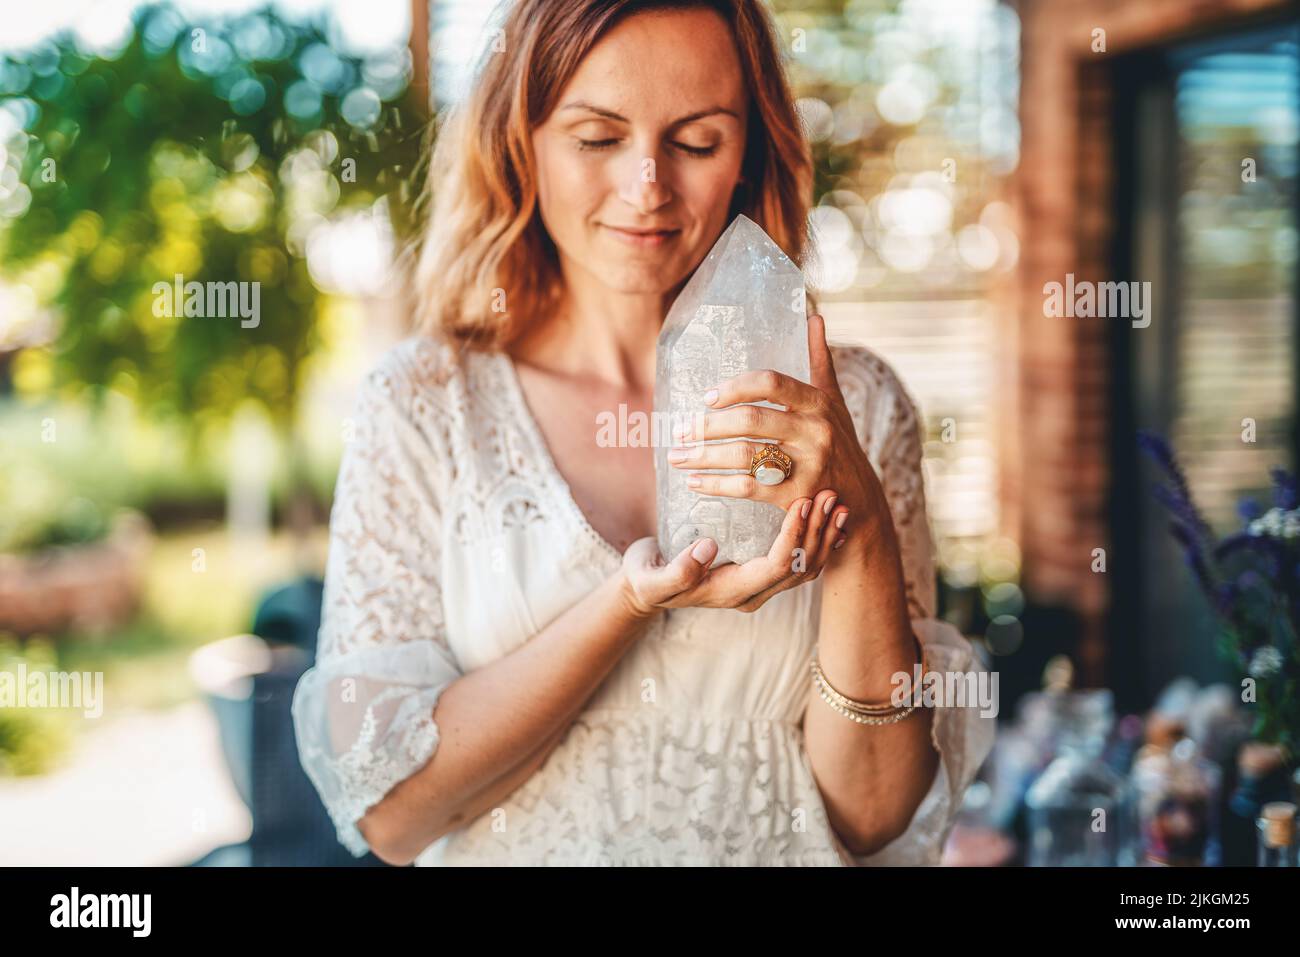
[{"x": 484, "y": 263}]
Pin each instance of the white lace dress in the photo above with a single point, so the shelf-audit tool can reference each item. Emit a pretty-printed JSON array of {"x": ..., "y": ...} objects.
[{"x": 454, "y": 539}]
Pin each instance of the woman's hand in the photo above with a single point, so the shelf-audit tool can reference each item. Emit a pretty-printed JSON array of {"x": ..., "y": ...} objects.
[
  {"x": 807, "y": 536},
  {"x": 815, "y": 430}
]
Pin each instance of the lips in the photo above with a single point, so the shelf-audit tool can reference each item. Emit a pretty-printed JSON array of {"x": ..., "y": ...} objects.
[
  {"x": 642, "y": 237},
  {"x": 642, "y": 232}
]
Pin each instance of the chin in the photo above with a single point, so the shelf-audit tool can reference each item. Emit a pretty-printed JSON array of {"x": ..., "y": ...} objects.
[{"x": 643, "y": 278}]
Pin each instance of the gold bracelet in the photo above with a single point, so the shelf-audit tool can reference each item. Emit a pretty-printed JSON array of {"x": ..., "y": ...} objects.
[
  {"x": 861, "y": 711},
  {"x": 863, "y": 707},
  {"x": 867, "y": 719},
  {"x": 825, "y": 689}
]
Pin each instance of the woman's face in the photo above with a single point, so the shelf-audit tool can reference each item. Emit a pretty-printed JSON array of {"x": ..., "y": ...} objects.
[{"x": 638, "y": 162}]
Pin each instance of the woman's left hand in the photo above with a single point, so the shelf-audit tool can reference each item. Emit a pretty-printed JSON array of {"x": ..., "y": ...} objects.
[{"x": 815, "y": 430}]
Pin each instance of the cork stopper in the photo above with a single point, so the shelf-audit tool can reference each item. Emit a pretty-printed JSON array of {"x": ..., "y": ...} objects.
[{"x": 1278, "y": 821}]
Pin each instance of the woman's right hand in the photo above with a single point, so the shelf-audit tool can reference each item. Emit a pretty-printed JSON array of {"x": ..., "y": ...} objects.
[{"x": 798, "y": 555}]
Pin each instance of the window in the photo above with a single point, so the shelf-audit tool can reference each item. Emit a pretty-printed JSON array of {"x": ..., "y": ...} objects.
[{"x": 1207, "y": 152}]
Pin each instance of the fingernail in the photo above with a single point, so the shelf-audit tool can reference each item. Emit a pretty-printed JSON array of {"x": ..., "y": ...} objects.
[
  {"x": 682, "y": 433},
  {"x": 807, "y": 507},
  {"x": 839, "y": 543},
  {"x": 693, "y": 481},
  {"x": 840, "y": 519},
  {"x": 677, "y": 455},
  {"x": 830, "y": 504},
  {"x": 711, "y": 397},
  {"x": 704, "y": 550}
]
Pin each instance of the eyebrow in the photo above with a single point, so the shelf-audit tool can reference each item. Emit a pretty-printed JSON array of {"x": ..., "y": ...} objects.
[{"x": 611, "y": 115}]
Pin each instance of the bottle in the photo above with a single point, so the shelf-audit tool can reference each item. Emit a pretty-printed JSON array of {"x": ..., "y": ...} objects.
[
  {"x": 1177, "y": 792},
  {"x": 1122, "y": 749},
  {"x": 1261, "y": 778},
  {"x": 1277, "y": 840},
  {"x": 1076, "y": 807}
]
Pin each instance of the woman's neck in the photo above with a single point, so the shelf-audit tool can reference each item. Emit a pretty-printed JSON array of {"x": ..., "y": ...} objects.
[{"x": 596, "y": 333}]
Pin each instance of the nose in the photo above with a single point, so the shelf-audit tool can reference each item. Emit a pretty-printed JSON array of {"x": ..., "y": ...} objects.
[{"x": 642, "y": 184}]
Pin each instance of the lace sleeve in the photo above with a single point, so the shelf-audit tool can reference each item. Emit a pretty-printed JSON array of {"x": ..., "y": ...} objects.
[
  {"x": 890, "y": 430},
  {"x": 364, "y": 713}
]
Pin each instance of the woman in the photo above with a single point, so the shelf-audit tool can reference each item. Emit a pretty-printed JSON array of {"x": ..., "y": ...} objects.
[{"x": 505, "y": 659}]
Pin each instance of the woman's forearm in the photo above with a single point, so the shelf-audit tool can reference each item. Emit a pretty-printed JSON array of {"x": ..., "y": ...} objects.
[
  {"x": 499, "y": 722},
  {"x": 872, "y": 777},
  {"x": 490, "y": 797}
]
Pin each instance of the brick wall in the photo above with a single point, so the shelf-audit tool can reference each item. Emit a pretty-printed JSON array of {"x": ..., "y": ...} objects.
[{"x": 1055, "y": 478}]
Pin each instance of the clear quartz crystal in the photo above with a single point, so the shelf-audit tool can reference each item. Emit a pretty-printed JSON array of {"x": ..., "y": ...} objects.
[{"x": 742, "y": 310}]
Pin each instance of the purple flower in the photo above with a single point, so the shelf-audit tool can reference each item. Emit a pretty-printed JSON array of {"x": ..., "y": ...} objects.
[
  {"x": 1225, "y": 598},
  {"x": 1177, "y": 496},
  {"x": 1194, "y": 555},
  {"x": 1251, "y": 579},
  {"x": 1284, "y": 489},
  {"x": 1245, "y": 542}
]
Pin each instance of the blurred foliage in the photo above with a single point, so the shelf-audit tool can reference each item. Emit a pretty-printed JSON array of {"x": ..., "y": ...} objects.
[
  {"x": 208, "y": 150},
  {"x": 68, "y": 491},
  {"x": 32, "y": 740},
  {"x": 65, "y": 492},
  {"x": 910, "y": 109},
  {"x": 146, "y": 662}
]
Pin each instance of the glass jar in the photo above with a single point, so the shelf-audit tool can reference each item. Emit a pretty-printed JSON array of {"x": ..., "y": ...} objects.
[
  {"x": 1077, "y": 807},
  {"x": 1177, "y": 794}
]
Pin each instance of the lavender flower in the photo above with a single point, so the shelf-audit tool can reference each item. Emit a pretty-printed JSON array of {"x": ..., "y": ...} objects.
[
  {"x": 1160, "y": 451},
  {"x": 1284, "y": 489},
  {"x": 1252, "y": 582},
  {"x": 1195, "y": 558}
]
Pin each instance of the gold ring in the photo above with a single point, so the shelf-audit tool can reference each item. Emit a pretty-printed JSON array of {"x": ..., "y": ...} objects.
[{"x": 770, "y": 466}]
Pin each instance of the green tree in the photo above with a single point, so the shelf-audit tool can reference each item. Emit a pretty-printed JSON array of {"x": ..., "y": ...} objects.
[{"x": 205, "y": 150}]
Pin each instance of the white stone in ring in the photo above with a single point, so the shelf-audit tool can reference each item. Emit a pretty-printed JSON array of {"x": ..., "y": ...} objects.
[{"x": 769, "y": 475}]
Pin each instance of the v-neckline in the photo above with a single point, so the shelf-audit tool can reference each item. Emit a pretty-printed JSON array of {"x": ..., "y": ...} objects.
[{"x": 534, "y": 431}]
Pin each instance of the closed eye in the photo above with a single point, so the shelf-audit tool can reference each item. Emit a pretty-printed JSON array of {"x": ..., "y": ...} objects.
[{"x": 697, "y": 151}]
